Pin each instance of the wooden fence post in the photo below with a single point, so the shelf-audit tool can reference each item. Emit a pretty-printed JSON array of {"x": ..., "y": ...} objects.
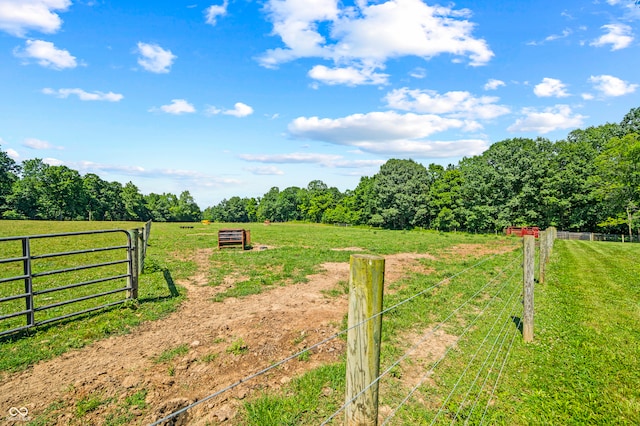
[
  {"x": 528, "y": 268},
  {"x": 543, "y": 255},
  {"x": 135, "y": 258},
  {"x": 366, "y": 285}
]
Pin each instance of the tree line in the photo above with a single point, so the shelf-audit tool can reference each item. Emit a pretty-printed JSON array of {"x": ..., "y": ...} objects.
[
  {"x": 589, "y": 181},
  {"x": 36, "y": 190}
]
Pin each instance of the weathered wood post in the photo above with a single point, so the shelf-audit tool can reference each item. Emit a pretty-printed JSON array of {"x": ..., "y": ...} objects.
[
  {"x": 366, "y": 283},
  {"x": 528, "y": 272},
  {"x": 134, "y": 256},
  {"x": 544, "y": 248}
]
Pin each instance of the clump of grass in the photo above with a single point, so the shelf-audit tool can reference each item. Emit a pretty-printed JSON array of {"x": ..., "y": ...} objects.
[
  {"x": 171, "y": 353},
  {"x": 209, "y": 357},
  {"x": 87, "y": 405},
  {"x": 238, "y": 347}
]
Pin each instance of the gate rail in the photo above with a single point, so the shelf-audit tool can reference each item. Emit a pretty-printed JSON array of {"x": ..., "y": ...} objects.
[{"x": 132, "y": 261}]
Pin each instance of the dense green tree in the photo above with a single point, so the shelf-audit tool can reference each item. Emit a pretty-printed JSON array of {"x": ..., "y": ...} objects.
[
  {"x": 400, "y": 189},
  {"x": 619, "y": 179},
  {"x": 9, "y": 170},
  {"x": 267, "y": 207},
  {"x": 134, "y": 205},
  {"x": 445, "y": 200}
]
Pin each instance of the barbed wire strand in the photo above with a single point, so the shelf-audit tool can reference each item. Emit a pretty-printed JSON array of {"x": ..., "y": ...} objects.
[
  {"x": 495, "y": 385},
  {"x": 504, "y": 331},
  {"x": 436, "y": 363},
  {"x": 430, "y": 333},
  {"x": 464, "y": 372},
  {"x": 289, "y": 358},
  {"x": 486, "y": 379}
]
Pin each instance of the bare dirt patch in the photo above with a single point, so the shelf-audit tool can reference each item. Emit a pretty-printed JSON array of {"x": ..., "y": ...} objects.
[
  {"x": 479, "y": 250},
  {"x": 264, "y": 328}
]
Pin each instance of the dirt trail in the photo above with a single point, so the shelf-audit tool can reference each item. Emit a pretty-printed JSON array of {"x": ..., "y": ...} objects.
[{"x": 273, "y": 325}]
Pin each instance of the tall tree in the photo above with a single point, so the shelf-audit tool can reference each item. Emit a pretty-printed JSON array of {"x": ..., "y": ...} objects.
[
  {"x": 9, "y": 170},
  {"x": 400, "y": 189},
  {"x": 619, "y": 179}
]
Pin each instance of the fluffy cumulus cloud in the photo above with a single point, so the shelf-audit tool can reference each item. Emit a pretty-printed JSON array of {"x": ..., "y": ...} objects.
[
  {"x": 212, "y": 13},
  {"x": 46, "y": 54},
  {"x": 360, "y": 39},
  {"x": 558, "y": 117},
  {"x": 550, "y": 87},
  {"x": 177, "y": 107},
  {"x": 618, "y": 36},
  {"x": 455, "y": 104},
  {"x": 493, "y": 84},
  {"x": 154, "y": 58},
  {"x": 239, "y": 110},
  {"x": 390, "y": 133},
  {"x": 609, "y": 85},
  {"x": 84, "y": 96},
  {"x": 350, "y": 76},
  {"x": 17, "y": 17},
  {"x": 12, "y": 153}
]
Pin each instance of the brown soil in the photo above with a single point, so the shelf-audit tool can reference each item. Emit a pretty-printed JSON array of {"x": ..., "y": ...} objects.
[{"x": 272, "y": 326}]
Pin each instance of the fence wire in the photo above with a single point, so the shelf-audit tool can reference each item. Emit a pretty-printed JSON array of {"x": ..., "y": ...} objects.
[{"x": 340, "y": 333}]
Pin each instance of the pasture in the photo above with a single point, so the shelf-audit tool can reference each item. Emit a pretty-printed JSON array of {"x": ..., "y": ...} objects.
[{"x": 207, "y": 318}]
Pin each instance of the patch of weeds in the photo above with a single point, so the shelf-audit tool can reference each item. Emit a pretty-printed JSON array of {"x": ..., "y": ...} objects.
[
  {"x": 209, "y": 357},
  {"x": 300, "y": 338},
  {"x": 238, "y": 347},
  {"x": 171, "y": 370},
  {"x": 171, "y": 353},
  {"x": 87, "y": 405},
  {"x": 304, "y": 356},
  {"x": 137, "y": 399}
]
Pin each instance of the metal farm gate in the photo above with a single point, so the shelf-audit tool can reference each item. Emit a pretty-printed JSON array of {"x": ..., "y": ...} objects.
[{"x": 42, "y": 281}]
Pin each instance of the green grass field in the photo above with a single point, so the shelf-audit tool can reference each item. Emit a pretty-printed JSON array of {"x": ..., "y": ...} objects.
[{"x": 582, "y": 368}]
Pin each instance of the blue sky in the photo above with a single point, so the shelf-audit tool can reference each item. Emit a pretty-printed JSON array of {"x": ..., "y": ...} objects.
[{"x": 233, "y": 97}]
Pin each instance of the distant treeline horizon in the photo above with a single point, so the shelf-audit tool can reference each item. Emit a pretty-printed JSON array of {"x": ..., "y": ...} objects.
[{"x": 589, "y": 181}]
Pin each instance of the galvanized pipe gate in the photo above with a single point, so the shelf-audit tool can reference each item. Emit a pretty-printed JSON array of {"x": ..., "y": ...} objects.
[{"x": 132, "y": 260}]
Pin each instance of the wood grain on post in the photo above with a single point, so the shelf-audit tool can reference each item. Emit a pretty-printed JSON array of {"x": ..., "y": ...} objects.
[
  {"x": 366, "y": 284},
  {"x": 528, "y": 268},
  {"x": 543, "y": 255}
]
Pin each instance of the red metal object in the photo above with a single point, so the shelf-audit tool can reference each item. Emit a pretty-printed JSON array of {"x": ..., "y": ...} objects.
[{"x": 520, "y": 231}]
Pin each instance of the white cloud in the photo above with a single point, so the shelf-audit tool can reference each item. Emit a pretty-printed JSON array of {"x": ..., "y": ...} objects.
[
  {"x": 46, "y": 54},
  {"x": 493, "y": 84},
  {"x": 609, "y": 85},
  {"x": 365, "y": 36},
  {"x": 587, "y": 96},
  {"x": 38, "y": 144},
  {"x": 239, "y": 110},
  {"x": 84, "y": 96},
  {"x": 618, "y": 36},
  {"x": 550, "y": 87},
  {"x": 13, "y": 153},
  {"x": 325, "y": 160},
  {"x": 350, "y": 76},
  {"x": 265, "y": 171},
  {"x": 214, "y": 11},
  {"x": 52, "y": 161},
  {"x": 390, "y": 132},
  {"x": 550, "y": 119},
  {"x": 455, "y": 103},
  {"x": 177, "y": 107},
  {"x": 17, "y": 17},
  {"x": 154, "y": 58}
]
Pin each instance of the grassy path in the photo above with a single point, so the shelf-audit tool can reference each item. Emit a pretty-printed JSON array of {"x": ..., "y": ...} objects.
[{"x": 584, "y": 367}]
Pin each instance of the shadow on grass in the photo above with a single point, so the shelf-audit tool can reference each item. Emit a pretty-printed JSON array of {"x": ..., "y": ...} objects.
[
  {"x": 124, "y": 304},
  {"x": 518, "y": 323}
]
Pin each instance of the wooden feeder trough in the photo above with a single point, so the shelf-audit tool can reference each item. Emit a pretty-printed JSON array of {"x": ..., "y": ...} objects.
[{"x": 234, "y": 238}]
